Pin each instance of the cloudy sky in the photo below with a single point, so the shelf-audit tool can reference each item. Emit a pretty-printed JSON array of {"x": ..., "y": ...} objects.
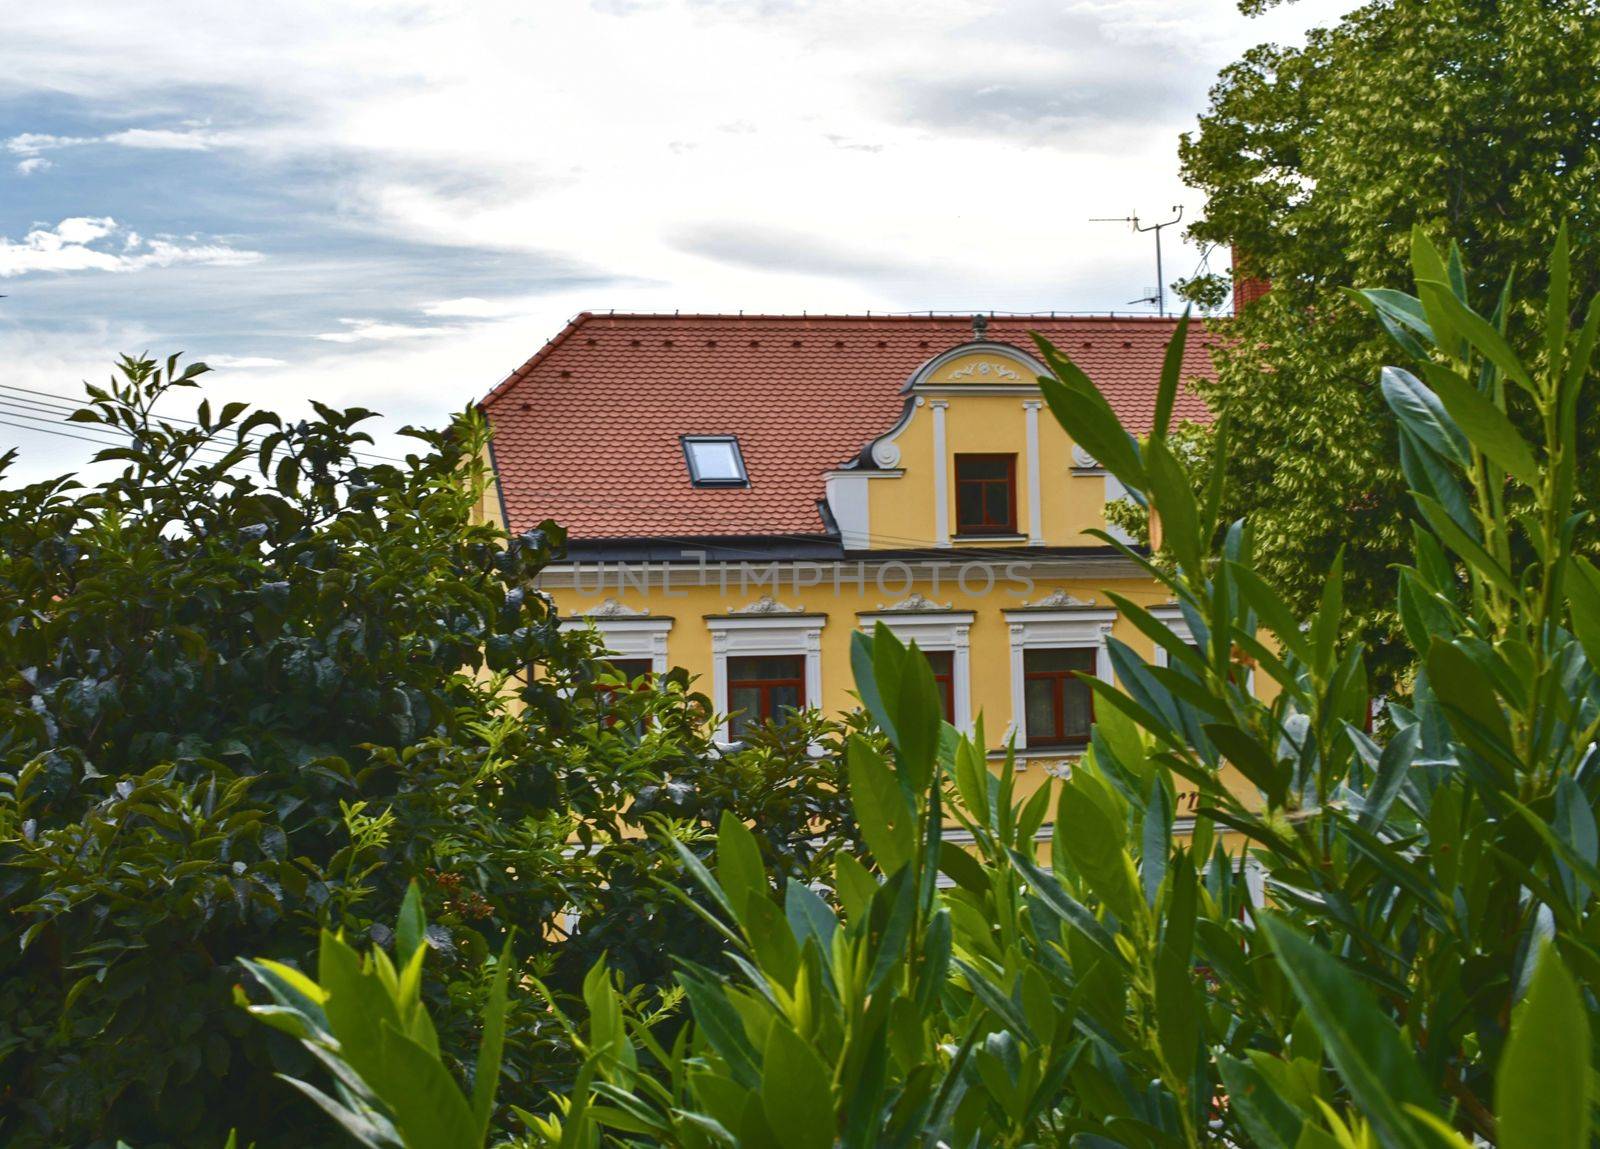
[{"x": 393, "y": 204}]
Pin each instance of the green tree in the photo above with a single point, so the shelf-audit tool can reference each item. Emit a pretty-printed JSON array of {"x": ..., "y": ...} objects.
[
  {"x": 1478, "y": 119},
  {"x": 253, "y": 686}
]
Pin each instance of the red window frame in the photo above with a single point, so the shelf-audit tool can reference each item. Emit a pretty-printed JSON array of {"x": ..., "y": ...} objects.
[
  {"x": 985, "y": 525},
  {"x": 765, "y": 687},
  {"x": 1058, "y": 680},
  {"x": 943, "y": 663}
]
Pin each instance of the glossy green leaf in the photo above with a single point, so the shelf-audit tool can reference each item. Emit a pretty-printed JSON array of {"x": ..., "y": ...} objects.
[
  {"x": 1543, "y": 1087},
  {"x": 1421, "y": 412},
  {"x": 796, "y": 1092},
  {"x": 886, "y": 819},
  {"x": 1096, "y": 847},
  {"x": 739, "y": 867},
  {"x": 1484, "y": 424}
]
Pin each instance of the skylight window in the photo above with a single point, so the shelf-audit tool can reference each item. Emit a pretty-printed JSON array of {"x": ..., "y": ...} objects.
[{"x": 715, "y": 461}]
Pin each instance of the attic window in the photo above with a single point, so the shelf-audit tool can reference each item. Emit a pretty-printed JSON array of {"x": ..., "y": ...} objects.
[{"x": 715, "y": 461}]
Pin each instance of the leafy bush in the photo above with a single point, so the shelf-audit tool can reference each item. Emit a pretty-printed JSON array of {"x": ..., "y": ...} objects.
[
  {"x": 1423, "y": 969},
  {"x": 256, "y": 684}
]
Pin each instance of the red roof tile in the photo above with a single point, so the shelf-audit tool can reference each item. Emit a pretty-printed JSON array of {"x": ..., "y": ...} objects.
[{"x": 587, "y": 431}]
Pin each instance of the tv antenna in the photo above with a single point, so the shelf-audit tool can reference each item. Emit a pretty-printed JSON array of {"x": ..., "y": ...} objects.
[{"x": 1160, "y": 297}]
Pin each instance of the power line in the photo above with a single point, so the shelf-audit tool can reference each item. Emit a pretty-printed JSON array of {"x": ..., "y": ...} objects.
[
  {"x": 112, "y": 437},
  {"x": 48, "y": 431},
  {"x": 68, "y": 399}
]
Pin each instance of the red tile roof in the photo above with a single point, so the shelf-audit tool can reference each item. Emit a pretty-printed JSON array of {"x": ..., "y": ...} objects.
[{"x": 587, "y": 431}]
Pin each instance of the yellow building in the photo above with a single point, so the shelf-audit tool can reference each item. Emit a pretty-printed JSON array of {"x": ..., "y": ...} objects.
[{"x": 744, "y": 492}]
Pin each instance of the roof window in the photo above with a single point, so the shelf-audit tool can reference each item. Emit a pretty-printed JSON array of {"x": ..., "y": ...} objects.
[{"x": 715, "y": 461}]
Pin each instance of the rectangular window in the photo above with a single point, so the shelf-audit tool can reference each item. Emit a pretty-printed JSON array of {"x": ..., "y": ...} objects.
[
  {"x": 762, "y": 688},
  {"x": 944, "y": 676},
  {"x": 715, "y": 461},
  {"x": 1060, "y": 707},
  {"x": 986, "y": 494}
]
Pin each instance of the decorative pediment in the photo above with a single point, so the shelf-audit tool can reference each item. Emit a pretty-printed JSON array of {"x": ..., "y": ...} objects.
[
  {"x": 978, "y": 365},
  {"x": 1058, "y": 600},
  {"x": 979, "y": 370},
  {"x": 766, "y": 604},
  {"x": 915, "y": 603},
  {"x": 611, "y": 608}
]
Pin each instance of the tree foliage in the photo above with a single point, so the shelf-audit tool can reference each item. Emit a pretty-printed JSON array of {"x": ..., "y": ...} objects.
[
  {"x": 1472, "y": 118},
  {"x": 253, "y": 686}
]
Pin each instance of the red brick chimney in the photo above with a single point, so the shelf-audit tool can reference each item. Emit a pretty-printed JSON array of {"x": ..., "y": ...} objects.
[{"x": 1247, "y": 288}]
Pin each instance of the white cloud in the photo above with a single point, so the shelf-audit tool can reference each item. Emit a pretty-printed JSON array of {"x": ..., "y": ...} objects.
[
  {"x": 244, "y": 362},
  {"x": 71, "y": 245},
  {"x": 163, "y": 139},
  {"x": 33, "y": 164},
  {"x": 373, "y": 331},
  {"x": 31, "y": 144},
  {"x": 78, "y": 230},
  {"x": 472, "y": 307}
]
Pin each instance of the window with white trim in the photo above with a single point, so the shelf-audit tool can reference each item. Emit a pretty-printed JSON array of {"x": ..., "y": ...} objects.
[
  {"x": 754, "y": 658},
  {"x": 1051, "y": 707}
]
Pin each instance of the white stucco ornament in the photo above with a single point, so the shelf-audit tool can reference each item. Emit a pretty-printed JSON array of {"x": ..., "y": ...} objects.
[
  {"x": 916, "y": 602},
  {"x": 766, "y": 604},
  {"x": 611, "y": 608},
  {"x": 1058, "y": 600}
]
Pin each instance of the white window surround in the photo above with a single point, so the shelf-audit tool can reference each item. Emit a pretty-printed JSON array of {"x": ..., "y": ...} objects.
[
  {"x": 936, "y": 629},
  {"x": 1032, "y": 628},
  {"x": 1173, "y": 619},
  {"x": 734, "y": 636},
  {"x": 630, "y": 637}
]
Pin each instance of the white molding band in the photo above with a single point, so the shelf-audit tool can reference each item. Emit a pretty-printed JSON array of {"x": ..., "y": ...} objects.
[
  {"x": 1030, "y": 408},
  {"x": 936, "y": 630},
  {"x": 1053, "y": 629},
  {"x": 766, "y": 634},
  {"x": 941, "y": 478},
  {"x": 629, "y": 637}
]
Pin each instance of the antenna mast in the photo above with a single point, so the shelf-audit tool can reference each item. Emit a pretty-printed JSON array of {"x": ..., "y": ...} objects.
[{"x": 1160, "y": 297}]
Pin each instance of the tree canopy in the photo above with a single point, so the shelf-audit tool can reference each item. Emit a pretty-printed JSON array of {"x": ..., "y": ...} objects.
[{"x": 1478, "y": 119}]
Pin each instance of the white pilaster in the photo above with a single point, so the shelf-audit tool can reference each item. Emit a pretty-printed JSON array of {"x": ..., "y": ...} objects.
[
  {"x": 1019, "y": 725},
  {"x": 941, "y": 477},
  {"x": 1030, "y": 408}
]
